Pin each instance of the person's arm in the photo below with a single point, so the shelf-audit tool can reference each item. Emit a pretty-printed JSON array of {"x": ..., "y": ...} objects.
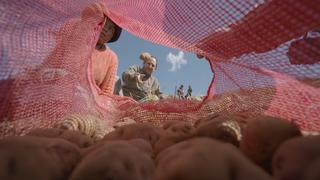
[
  {"x": 107, "y": 86},
  {"x": 131, "y": 74}
]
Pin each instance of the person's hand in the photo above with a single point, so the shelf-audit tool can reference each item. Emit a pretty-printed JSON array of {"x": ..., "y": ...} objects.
[
  {"x": 200, "y": 56},
  {"x": 139, "y": 78}
]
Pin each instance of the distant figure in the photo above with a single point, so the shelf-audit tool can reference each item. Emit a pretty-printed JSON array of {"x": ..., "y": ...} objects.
[
  {"x": 180, "y": 92},
  {"x": 139, "y": 82},
  {"x": 189, "y": 92}
]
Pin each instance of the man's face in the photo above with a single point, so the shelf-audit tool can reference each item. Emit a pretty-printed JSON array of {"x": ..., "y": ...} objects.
[
  {"x": 149, "y": 66},
  {"x": 107, "y": 32}
]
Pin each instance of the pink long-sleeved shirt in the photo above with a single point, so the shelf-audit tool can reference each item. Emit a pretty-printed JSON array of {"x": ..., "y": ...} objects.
[{"x": 104, "y": 69}]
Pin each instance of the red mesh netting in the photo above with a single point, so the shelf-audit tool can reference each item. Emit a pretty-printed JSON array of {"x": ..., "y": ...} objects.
[{"x": 264, "y": 55}]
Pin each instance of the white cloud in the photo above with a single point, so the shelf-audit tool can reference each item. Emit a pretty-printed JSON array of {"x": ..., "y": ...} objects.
[{"x": 176, "y": 61}]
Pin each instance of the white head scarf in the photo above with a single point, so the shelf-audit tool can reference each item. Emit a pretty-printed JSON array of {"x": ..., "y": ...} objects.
[{"x": 146, "y": 57}]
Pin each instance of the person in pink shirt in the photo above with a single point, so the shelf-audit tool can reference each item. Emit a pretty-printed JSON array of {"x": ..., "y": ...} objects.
[
  {"x": 75, "y": 40},
  {"x": 104, "y": 60}
]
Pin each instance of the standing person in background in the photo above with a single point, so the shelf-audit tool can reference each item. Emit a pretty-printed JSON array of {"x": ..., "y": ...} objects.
[
  {"x": 180, "y": 92},
  {"x": 189, "y": 92},
  {"x": 139, "y": 83}
]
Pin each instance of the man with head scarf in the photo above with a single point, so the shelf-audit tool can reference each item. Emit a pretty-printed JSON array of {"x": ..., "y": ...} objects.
[{"x": 139, "y": 83}]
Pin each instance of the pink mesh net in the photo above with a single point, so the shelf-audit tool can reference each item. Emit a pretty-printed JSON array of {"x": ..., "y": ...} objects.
[{"x": 264, "y": 55}]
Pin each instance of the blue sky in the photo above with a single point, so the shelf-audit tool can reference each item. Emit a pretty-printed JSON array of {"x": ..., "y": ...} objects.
[{"x": 175, "y": 67}]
